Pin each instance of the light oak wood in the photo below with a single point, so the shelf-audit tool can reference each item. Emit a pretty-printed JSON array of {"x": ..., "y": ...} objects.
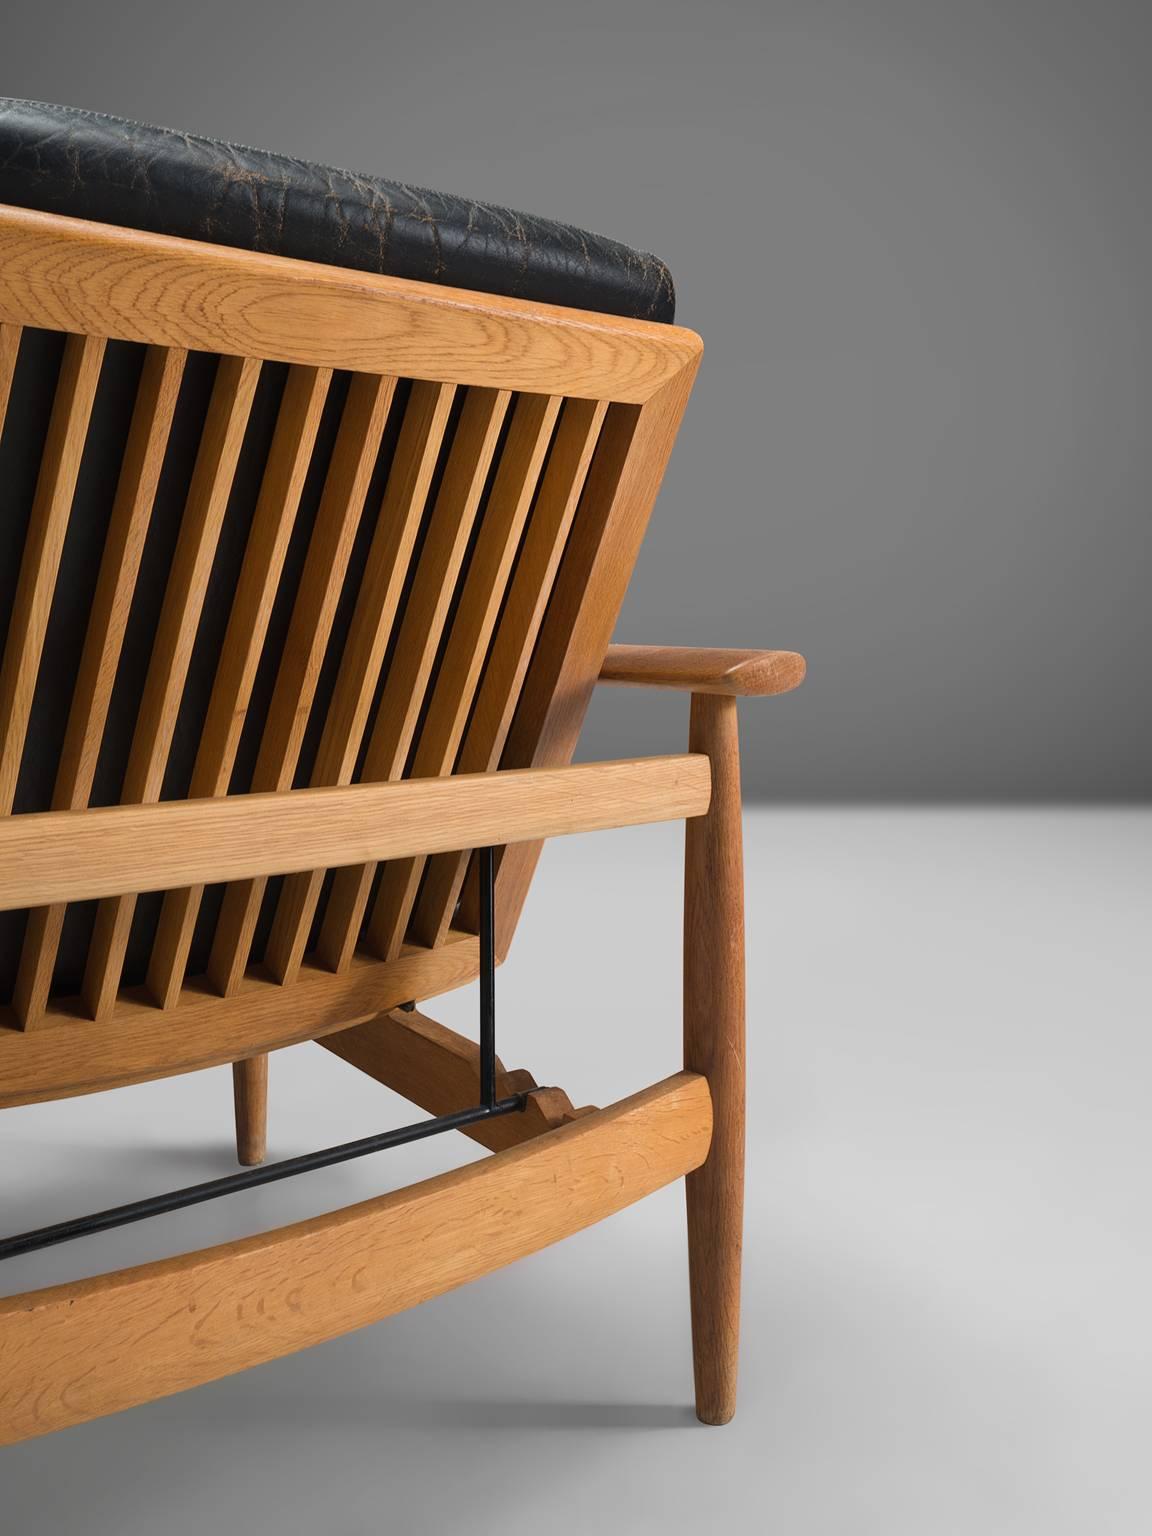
[
  {"x": 74, "y": 1352},
  {"x": 48, "y": 524},
  {"x": 517, "y": 449},
  {"x": 377, "y": 606},
  {"x": 208, "y": 493},
  {"x": 81, "y": 855},
  {"x": 439, "y": 1070},
  {"x": 250, "y": 1097},
  {"x": 627, "y": 468},
  {"x": 345, "y": 488},
  {"x": 703, "y": 670},
  {"x": 131, "y": 516},
  {"x": 714, "y": 1047},
  {"x": 514, "y": 641},
  {"x": 139, "y": 1042},
  {"x": 289, "y": 458},
  {"x": 9, "y": 351},
  {"x": 75, "y": 275},
  {"x": 515, "y": 485}
]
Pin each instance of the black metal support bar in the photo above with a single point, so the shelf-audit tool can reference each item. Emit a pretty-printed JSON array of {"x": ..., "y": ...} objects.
[
  {"x": 250, "y": 1178},
  {"x": 485, "y": 870},
  {"x": 269, "y": 1173}
]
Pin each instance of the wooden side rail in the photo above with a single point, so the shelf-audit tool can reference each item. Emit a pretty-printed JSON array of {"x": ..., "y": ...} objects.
[
  {"x": 60, "y": 856},
  {"x": 704, "y": 670},
  {"x": 74, "y": 1352}
]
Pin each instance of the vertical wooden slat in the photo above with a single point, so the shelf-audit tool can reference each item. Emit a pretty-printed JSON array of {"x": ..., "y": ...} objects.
[
  {"x": 623, "y": 482},
  {"x": 418, "y": 639},
  {"x": 514, "y": 640},
  {"x": 119, "y": 566},
  {"x": 48, "y": 524},
  {"x": 346, "y": 485},
  {"x": 289, "y": 458},
  {"x": 511, "y": 499},
  {"x": 208, "y": 493},
  {"x": 9, "y": 348}
]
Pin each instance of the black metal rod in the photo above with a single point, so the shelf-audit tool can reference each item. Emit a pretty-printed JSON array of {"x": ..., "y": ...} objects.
[
  {"x": 485, "y": 871},
  {"x": 250, "y": 1178}
]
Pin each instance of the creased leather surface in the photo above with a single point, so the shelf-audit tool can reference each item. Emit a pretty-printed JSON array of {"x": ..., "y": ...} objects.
[{"x": 92, "y": 166}]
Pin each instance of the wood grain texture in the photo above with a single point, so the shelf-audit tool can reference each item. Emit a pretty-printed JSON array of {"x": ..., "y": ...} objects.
[
  {"x": 100, "y": 853},
  {"x": 704, "y": 670},
  {"x": 277, "y": 504},
  {"x": 40, "y": 563},
  {"x": 513, "y": 493},
  {"x": 9, "y": 351},
  {"x": 714, "y": 1047},
  {"x": 75, "y": 275},
  {"x": 377, "y": 605},
  {"x": 250, "y": 1100},
  {"x": 624, "y": 478},
  {"x": 208, "y": 492},
  {"x": 438, "y": 1069},
  {"x": 514, "y": 641},
  {"x": 346, "y": 484},
  {"x": 74, "y": 1352},
  {"x": 139, "y": 1041},
  {"x": 128, "y": 527}
]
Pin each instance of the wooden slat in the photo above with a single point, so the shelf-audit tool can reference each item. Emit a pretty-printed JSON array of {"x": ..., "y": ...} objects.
[
  {"x": 511, "y": 498},
  {"x": 77, "y": 275},
  {"x": 289, "y": 459},
  {"x": 625, "y": 477},
  {"x": 464, "y": 661},
  {"x": 139, "y": 1042},
  {"x": 9, "y": 349},
  {"x": 73, "y": 1352},
  {"x": 211, "y": 484},
  {"x": 439, "y": 1070},
  {"x": 512, "y": 646},
  {"x": 47, "y": 527},
  {"x": 342, "y": 503},
  {"x": 378, "y": 600},
  {"x": 101, "y": 853},
  {"x": 156, "y": 397}
]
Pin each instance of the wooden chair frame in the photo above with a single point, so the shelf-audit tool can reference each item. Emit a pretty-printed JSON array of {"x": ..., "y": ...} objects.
[{"x": 75, "y": 1351}]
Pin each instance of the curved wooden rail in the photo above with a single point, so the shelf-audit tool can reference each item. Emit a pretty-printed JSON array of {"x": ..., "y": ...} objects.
[
  {"x": 76, "y": 275},
  {"x": 75, "y": 1352}
]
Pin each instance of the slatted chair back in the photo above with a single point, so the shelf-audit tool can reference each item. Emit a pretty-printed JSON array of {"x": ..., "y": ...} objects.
[{"x": 267, "y": 524}]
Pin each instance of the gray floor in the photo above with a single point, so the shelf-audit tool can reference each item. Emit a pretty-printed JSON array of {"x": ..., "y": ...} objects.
[{"x": 948, "y": 1263}]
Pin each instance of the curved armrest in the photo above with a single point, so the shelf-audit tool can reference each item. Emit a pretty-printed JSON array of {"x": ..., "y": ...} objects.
[{"x": 702, "y": 670}]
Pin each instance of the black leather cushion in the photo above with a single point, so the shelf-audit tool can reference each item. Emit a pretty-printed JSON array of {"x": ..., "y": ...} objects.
[{"x": 92, "y": 166}]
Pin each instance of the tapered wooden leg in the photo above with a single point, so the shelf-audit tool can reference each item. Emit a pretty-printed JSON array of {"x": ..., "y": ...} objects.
[
  {"x": 714, "y": 1046},
  {"x": 250, "y": 1091}
]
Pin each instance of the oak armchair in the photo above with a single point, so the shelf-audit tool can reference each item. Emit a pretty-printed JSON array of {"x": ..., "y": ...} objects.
[{"x": 323, "y": 495}]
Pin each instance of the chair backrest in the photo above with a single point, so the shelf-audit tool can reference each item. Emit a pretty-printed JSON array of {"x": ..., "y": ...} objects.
[{"x": 263, "y": 524}]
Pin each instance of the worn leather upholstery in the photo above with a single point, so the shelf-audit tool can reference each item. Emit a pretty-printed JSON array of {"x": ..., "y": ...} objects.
[{"x": 92, "y": 166}]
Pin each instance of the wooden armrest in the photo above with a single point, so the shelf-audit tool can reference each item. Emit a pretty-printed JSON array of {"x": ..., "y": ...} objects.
[{"x": 703, "y": 670}]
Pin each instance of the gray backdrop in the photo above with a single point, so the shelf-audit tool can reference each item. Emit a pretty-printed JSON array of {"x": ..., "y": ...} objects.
[{"x": 916, "y": 238}]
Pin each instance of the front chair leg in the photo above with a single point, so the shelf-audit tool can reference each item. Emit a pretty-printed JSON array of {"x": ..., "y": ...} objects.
[
  {"x": 714, "y": 1046},
  {"x": 250, "y": 1093}
]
